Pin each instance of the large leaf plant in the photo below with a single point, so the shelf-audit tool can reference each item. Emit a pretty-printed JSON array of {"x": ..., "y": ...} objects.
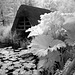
[{"x": 53, "y": 41}]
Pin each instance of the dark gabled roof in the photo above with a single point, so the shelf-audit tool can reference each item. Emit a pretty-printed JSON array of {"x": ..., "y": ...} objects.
[{"x": 33, "y": 14}]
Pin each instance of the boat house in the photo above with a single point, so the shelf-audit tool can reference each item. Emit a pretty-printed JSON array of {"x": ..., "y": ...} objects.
[{"x": 26, "y": 17}]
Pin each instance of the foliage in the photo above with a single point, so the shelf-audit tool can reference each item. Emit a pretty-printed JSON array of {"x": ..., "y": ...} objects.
[
  {"x": 54, "y": 32},
  {"x": 66, "y": 6},
  {"x": 53, "y": 40}
]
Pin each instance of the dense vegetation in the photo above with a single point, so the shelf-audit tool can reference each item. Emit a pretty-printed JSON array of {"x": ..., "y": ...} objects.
[{"x": 52, "y": 48}]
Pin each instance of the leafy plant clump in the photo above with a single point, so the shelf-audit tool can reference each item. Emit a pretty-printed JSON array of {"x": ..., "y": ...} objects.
[{"x": 54, "y": 42}]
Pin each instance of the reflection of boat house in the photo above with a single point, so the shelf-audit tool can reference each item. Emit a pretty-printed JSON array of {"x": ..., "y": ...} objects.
[{"x": 26, "y": 17}]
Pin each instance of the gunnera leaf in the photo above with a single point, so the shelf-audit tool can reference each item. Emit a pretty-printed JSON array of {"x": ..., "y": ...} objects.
[
  {"x": 69, "y": 26},
  {"x": 40, "y": 45},
  {"x": 52, "y": 57},
  {"x": 49, "y": 60}
]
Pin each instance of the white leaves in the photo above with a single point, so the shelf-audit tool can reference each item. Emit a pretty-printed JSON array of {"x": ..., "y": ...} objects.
[
  {"x": 70, "y": 42},
  {"x": 62, "y": 5},
  {"x": 42, "y": 43},
  {"x": 69, "y": 23},
  {"x": 35, "y": 30},
  {"x": 51, "y": 58},
  {"x": 49, "y": 22},
  {"x": 53, "y": 23},
  {"x": 41, "y": 63},
  {"x": 69, "y": 26},
  {"x": 39, "y": 52},
  {"x": 58, "y": 46}
]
